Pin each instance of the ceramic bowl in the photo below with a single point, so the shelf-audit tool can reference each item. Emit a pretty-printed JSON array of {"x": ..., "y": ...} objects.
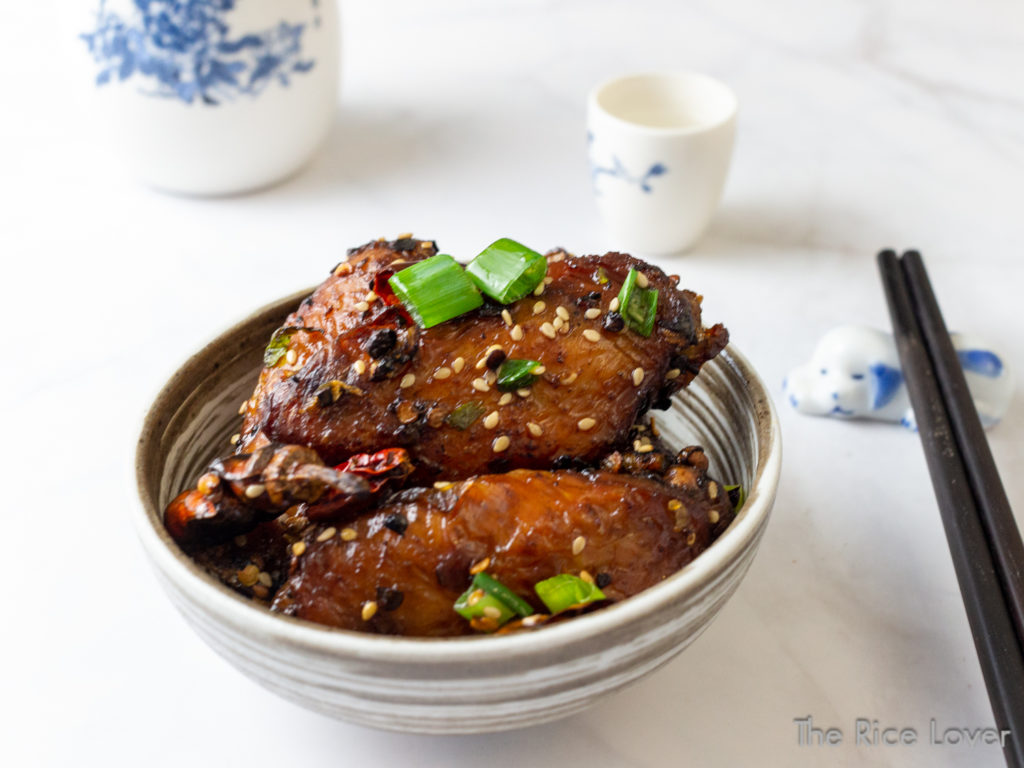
[{"x": 456, "y": 685}]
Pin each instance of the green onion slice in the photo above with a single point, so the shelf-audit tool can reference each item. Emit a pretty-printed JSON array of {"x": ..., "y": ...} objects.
[
  {"x": 435, "y": 290},
  {"x": 488, "y": 598},
  {"x": 492, "y": 586},
  {"x": 638, "y": 306},
  {"x": 507, "y": 271},
  {"x": 516, "y": 374},
  {"x": 737, "y": 496},
  {"x": 277, "y": 347},
  {"x": 465, "y": 414},
  {"x": 565, "y": 591}
]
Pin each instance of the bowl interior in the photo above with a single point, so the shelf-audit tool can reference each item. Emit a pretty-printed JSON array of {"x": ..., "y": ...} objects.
[{"x": 726, "y": 410}]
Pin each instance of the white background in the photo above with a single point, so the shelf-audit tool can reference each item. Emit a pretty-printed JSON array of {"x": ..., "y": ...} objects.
[{"x": 863, "y": 125}]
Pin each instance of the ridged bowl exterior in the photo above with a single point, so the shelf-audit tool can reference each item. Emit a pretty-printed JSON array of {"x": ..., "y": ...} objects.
[{"x": 457, "y": 685}]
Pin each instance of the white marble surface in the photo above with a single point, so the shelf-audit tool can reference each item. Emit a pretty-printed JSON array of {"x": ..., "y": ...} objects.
[{"x": 863, "y": 124}]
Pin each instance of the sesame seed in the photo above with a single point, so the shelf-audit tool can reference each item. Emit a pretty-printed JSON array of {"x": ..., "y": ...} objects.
[
  {"x": 613, "y": 305},
  {"x": 362, "y": 306},
  {"x": 291, "y": 356},
  {"x": 539, "y": 307},
  {"x": 235, "y": 438},
  {"x": 564, "y": 329},
  {"x": 348, "y": 534},
  {"x": 458, "y": 364},
  {"x": 516, "y": 333},
  {"x": 539, "y": 370},
  {"x": 405, "y": 236},
  {"x": 578, "y": 544},
  {"x": 475, "y": 597},
  {"x": 443, "y": 372},
  {"x": 645, "y": 449},
  {"x": 265, "y": 579},
  {"x": 359, "y": 366},
  {"x": 500, "y": 444},
  {"x": 587, "y": 424},
  {"x": 638, "y": 376},
  {"x": 242, "y": 407},
  {"x": 539, "y": 290},
  {"x": 570, "y": 378},
  {"x": 548, "y": 330},
  {"x": 371, "y": 296},
  {"x": 530, "y": 621},
  {"x": 674, "y": 504},
  {"x": 490, "y": 377},
  {"x": 443, "y": 485},
  {"x": 713, "y": 516},
  {"x": 636, "y": 445},
  {"x": 641, "y": 280},
  {"x": 558, "y": 323},
  {"x": 505, "y": 399},
  {"x": 691, "y": 539},
  {"x": 327, "y": 533},
  {"x": 407, "y": 381},
  {"x": 407, "y": 412},
  {"x": 254, "y": 490},
  {"x": 481, "y": 386},
  {"x": 506, "y": 316},
  {"x": 369, "y": 610},
  {"x": 558, "y": 257},
  {"x": 592, "y": 314},
  {"x": 492, "y": 612},
  {"x": 524, "y": 392},
  {"x": 491, "y": 421},
  {"x": 249, "y": 575},
  {"x": 480, "y": 566},
  {"x": 591, "y": 335},
  {"x": 548, "y": 280},
  {"x": 673, "y": 374},
  {"x": 562, "y": 312},
  {"x": 712, "y": 490},
  {"x": 298, "y": 548},
  {"x": 343, "y": 269},
  {"x": 535, "y": 429},
  {"x": 585, "y": 575}
]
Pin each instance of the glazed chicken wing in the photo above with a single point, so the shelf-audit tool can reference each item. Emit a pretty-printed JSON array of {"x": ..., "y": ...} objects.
[
  {"x": 400, "y": 569},
  {"x": 351, "y": 373}
]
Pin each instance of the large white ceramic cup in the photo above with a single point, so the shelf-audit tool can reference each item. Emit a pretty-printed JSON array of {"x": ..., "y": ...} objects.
[
  {"x": 215, "y": 97},
  {"x": 660, "y": 146}
]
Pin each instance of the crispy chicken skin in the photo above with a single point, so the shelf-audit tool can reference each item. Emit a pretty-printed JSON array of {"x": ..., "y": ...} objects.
[
  {"x": 359, "y": 375},
  {"x": 412, "y": 557}
]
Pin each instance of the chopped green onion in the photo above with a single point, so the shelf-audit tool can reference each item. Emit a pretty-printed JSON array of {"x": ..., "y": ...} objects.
[
  {"x": 637, "y": 305},
  {"x": 277, "y": 347},
  {"x": 492, "y": 586},
  {"x": 435, "y": 290},
  {"x": 516, "y": 374},
  {"x": 737, "y": 496},
  {"x": 474, "y": 604},
  {"x": 465, "y": 414},
  {"x": 506, "y": 270},
  {"x": 488, "y": 598},
  {"x": 565, "y": 591}
]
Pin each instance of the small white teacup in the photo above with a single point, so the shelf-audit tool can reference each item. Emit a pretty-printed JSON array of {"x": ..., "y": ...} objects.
[{"x": 659, "y": 149}]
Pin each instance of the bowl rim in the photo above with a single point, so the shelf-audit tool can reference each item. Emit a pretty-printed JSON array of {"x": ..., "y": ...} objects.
[{"x": 229, "y": 606}]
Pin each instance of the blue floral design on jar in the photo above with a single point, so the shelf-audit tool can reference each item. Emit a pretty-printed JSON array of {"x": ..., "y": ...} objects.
[
  {"x": 185, "y": 49},
  {"x": 617, "y": 170}
]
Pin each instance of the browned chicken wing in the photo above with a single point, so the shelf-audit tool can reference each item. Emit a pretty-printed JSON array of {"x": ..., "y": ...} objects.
[
  {"x": 350, "y": 373},
  {"x": 400, "y": 569}
]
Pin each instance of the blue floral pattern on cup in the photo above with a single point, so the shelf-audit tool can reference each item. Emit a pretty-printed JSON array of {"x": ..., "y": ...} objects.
[
  {"x": 186, "y": 50},
  {"x": 617, "y": 170}
]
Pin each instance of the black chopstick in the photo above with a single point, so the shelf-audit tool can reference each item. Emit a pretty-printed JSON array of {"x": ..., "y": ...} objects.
[
  {"x": 1000, "y": 652},
  {"x": 990, "y": 495}
]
